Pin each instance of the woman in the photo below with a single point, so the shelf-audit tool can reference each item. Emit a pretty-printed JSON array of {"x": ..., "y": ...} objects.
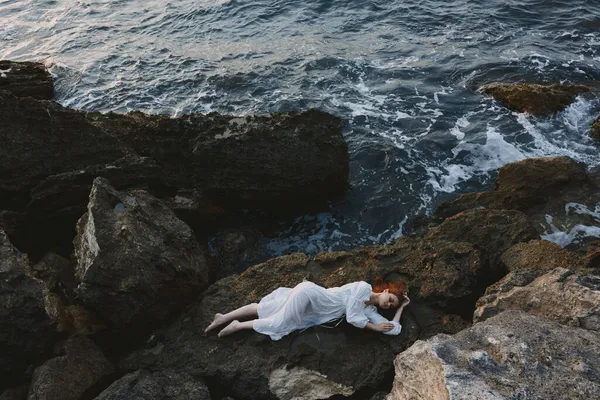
[{"x": 286, "y": 310}]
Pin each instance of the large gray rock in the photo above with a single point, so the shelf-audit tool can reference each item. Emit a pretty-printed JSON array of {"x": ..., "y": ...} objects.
[
  {"x": 79, "y": 366},
  {"x": 137, "y": 263},
  {"x": 513, "y": 355},
  {"x": 562, "y": 295},
  {"x": 26, "y": 331},
  {"x": 26, "y": 79},
  {"x": 161, "y": 385}
]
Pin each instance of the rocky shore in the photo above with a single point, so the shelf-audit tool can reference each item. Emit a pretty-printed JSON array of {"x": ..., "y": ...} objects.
[{"x": 107, "y": 282}]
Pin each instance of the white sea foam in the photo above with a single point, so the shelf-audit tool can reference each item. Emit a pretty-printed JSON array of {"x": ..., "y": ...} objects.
[
  {"x": 582, "y": 209},
  {"x": 573, "y": 235}
]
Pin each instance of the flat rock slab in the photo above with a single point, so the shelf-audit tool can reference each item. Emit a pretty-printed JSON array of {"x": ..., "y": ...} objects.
[
  {"x": 561, "y": 295},
  {"x": 513, "y": 355}
]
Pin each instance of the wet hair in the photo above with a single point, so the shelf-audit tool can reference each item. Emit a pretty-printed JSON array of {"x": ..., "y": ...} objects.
[{"x": 395, "y": 287}]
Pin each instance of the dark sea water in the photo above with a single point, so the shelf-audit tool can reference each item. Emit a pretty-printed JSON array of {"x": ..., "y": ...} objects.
[{"x": 401, "y": 73}]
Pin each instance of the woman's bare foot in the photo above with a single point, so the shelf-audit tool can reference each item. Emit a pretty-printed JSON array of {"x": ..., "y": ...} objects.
[
  {"x": 218, "y": 320},
  {"x": 229, "y": 329}
]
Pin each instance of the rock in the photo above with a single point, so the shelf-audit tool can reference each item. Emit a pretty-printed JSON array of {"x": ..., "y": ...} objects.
[
  {"x": 494, "y": 230},
  {"x": 162, "y": 385},
  {"x": 339, "y": 361},
  {"x": 196, "y": 210},
  {"x": 442, "y": 275},
  {"x": 533, "y": 98},
  {"x": 591, "y": 258},
  {"x": 557, "y": 195},
  {"x": 137, "y": 263},
  {"x": 16, "y": 393},
  {"x": 234, "y": 250},
  {"x": 560, "y": 294},
  {"x": 282, "y": 164},
  {"x": 540, "y": 254},
  {"x": 27, "y": 334},
  {"x": 595, "y": 129},
  {"x": 512, "y": 355},
  {"x": 26, "y": 79},
  {"x": 79, "y": 366},
  {"x": 52, "y": 269}
]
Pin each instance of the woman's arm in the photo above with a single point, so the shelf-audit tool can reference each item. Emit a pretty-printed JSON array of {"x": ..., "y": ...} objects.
[
  {"x": 380, "y": 327},
  {"x": 400, "y": 309}
]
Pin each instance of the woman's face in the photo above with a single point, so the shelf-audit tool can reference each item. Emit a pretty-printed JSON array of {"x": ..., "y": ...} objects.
[{"x": 388, "y": 300}]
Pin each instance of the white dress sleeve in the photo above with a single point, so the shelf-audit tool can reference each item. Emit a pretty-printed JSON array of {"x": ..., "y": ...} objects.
[
  {"x": 376, "y": 318},
  {"x": 355, "y": 304}
]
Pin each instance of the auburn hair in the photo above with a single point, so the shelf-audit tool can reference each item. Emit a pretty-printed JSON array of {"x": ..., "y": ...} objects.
[{"x": 396, "y": 287}]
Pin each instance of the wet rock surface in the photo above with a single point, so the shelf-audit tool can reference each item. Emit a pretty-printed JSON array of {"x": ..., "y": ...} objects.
[
  {"x": 79, "y": 366},
  {"x": 163, "y": 385},
  {"x": 558, "y": 195},
  {"x": 136, "y": 261},
  {"x": 26, "y": 333},
  {"x": 534, "y": 98},
  {"x": 282, "y": 164},
  {"x": 561, "y": 295},
  {"x": 512, "y": 355},
  {"x": 26, "y": 79}
]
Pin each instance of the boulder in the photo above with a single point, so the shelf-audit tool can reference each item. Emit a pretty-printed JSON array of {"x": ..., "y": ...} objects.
[
  {"x": 281, "y": 164},
  {"x": 79, "y": 366},
  {"x": 137, "y": 263},
  {"x": 26, "y": 334},
  {"x": 557, "y": 194},
  {"x": 161, "y": 385},
  {"x": 595, "y": 129},
  {"x": 513, "y": 355},
  {"x": 533, "y": 98},
  {"x": 26, "y": 79},
  {"x": 560, "y": 294},
  {"x": 337, "y": 361},
  {"x": 443, "y": 276},
  {"x": 540, "y": 254}
]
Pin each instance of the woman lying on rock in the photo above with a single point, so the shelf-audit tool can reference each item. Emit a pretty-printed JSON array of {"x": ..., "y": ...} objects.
[{"x": 286, "y": 310}]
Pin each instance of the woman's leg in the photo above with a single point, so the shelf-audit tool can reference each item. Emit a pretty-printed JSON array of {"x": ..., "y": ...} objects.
[
  {"x": 236, "y": 326},
  {"x": 247, "y": 311}
]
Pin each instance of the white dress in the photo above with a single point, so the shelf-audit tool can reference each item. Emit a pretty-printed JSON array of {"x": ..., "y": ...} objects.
[{"x": 286, "y": 310}]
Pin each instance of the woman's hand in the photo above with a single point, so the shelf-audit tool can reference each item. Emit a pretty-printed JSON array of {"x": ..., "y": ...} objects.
[
  {"x": 406, "y": 301},
  {"x": 384, "y": 327}
]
